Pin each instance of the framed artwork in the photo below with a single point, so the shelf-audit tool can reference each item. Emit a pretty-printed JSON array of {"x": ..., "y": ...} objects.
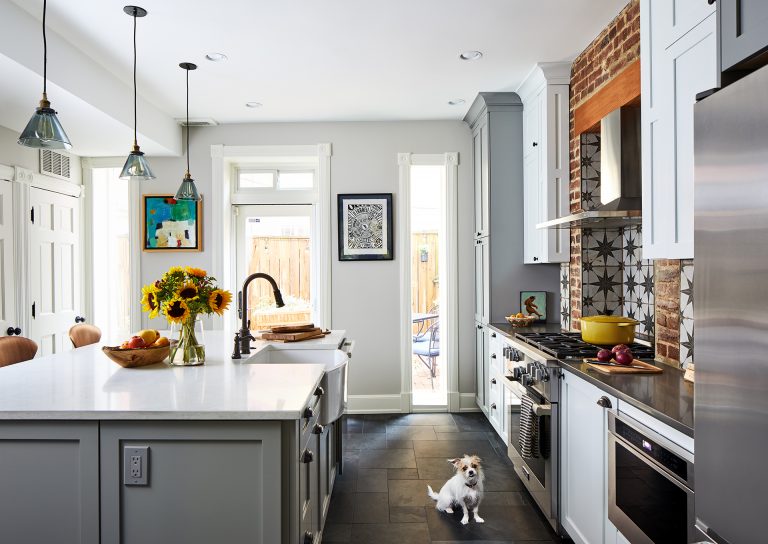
[
  {"x": 365, "y": 227},
  {"x": 172, "y": 225},
  {"x": 534, "y": 303}
]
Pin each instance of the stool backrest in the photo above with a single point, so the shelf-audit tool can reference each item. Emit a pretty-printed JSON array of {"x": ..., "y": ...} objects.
[
  {"x": 15, "y": 349},
  {"x": 84, "y": 335}
]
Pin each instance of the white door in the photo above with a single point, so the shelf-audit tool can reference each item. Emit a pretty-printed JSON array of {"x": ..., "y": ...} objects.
[
  {"x": 278, "y": 240},
  {"x": 54, "y": 269},
  {"x": 7, "y": 280}
]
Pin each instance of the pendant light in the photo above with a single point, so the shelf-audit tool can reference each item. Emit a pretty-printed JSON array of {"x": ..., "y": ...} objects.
[
  {"x": 187, "y": 190},
  {"x": 136, "y": 166},
  {"x": 44, "y": 130}
]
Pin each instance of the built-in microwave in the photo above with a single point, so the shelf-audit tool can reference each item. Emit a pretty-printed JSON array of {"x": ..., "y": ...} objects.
[{"x": 650, "y": 485}]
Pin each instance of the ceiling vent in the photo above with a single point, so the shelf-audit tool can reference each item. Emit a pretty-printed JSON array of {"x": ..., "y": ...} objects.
[
  {"x": 198, "y": 122},
  {"x": 55, "y": 164}
]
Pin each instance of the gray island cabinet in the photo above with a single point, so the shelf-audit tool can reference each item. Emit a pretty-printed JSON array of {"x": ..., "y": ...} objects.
[{"x": 226, "y": 452}]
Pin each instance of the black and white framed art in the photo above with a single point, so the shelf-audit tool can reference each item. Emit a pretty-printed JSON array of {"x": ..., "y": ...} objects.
[{"x": 365, "y": 227}]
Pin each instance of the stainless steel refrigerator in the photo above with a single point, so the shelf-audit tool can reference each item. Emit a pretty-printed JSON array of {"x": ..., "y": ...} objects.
[{"x": 731, "y": 311}]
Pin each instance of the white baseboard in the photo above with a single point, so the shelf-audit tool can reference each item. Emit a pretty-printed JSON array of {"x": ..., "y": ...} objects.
[
  {"x": 467, "y": 403},
  {"x": 374, "y": 404}
]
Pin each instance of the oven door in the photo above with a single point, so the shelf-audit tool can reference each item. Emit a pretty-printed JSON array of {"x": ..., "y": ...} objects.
[
  {"x": 534, "y": 472},
  {"x": 648, "y": 502}
]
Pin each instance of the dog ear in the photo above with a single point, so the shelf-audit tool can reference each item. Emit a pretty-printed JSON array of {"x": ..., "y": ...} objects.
[
  {"x": 455, "y": 462},
  {"x": 476, "y": 459}
]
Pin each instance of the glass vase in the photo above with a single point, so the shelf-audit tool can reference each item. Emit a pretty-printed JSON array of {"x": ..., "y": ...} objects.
[{"x": 189, "y": 349}]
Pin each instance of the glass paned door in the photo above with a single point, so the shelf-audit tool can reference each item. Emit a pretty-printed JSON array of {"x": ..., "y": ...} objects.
[{"x": 277, "y": 240}]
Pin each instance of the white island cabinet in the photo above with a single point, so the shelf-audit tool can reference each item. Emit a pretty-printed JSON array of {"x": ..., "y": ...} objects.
[
  {"x": 584, "y": 473},
  {"x": 230, "y": 451}
]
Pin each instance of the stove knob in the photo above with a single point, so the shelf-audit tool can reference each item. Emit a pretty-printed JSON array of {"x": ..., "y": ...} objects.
[
  {"x": 544, "y": 375},
  {"x": 527, "y": 380},
  {"x": 536, "y": 374},
  {"x": 530, "y": 367},
  {"x": 517, "y": 373},
  {"x": 516, "y": 356}
]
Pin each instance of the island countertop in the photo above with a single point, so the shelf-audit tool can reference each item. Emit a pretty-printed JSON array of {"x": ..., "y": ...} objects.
[{"x": 84, "y": 384}]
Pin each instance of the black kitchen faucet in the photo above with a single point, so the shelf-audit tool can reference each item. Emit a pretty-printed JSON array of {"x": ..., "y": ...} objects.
[{"x": 245, "y": 335}]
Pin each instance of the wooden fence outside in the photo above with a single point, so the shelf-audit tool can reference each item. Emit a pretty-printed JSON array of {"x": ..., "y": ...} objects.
[{"x": 287, "y": 259}]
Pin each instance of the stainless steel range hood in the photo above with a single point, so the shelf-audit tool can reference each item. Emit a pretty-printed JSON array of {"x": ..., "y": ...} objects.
[{"x": 620, "y": 176}]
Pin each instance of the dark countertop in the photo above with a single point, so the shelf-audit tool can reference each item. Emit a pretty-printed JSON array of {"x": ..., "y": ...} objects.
[{"x": 665, "y": 396}]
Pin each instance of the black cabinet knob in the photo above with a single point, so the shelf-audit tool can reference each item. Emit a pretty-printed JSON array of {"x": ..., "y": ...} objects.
[
  {"x": 309, "y": 538},
  {"x": 318, "y": 429},
  {"x": 604, "y": 402},
  {"x": 535, "y": 258},
  {"x": 493, "y": 406},
  {"x": 319, "y": 392},
  {"x": 710, "y": 2},
  {"x": 307, "y": 456},
  {"x": 493, "y": 355},
  {"x": 308, "y": 412},
  {"x": 79, "y": 319},
  {"x": 493, "y": 381},
  {"x": 535, "y": 144},
  {"x": 13, "y": 331},
  {"x": 493, "y": 335}
]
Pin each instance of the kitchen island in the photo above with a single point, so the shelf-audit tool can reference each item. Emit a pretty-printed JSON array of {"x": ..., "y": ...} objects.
[{"x": 229, "y": 451}]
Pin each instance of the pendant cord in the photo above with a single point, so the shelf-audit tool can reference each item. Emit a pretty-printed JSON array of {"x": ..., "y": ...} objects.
[
  {"x": 135, "y": 142},
  {"x": 45, "y": 51},
  {"x": 188, "y": 121}
]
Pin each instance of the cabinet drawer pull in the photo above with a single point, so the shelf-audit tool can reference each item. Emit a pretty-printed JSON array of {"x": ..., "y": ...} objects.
[
  {"x": 535, "y": 144},
  {"x": 493, "y": 355},
  {"x": 493, "y": 335},
  {"x": 605, "y": 402},
  {"x": 318, "y": 429},
  {"x": 319, "y": 392},
  {"x": 309, "y": 538},
  {"x": 493, "y": 406},
  {"x": 309, "y": 412},
  {"x": 307, "y": 456},
  {"x": 480, "y": 327},
  {"x": 535, "y": 258},
  {"x": 710, "y": 2},
  {"x": 493, "y": 381}
]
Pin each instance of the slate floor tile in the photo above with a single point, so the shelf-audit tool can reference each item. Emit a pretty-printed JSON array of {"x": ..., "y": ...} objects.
[
  {"x": 513, "y": 523},
  {"x": 391, "y": 533},
  {"x": 371, "y": 508},
  {"x": 452, "y": 428},
  {"x": 395, "y": 444},
  {"x": 449, "y": 449},
  {"x": 411, "y": 492},
  {"x": 402, "y": 474},
  {"x": 388, "y": 459},
  {"x": 411, "y": 433},
  {"x": 434, "y": 468},
  {"x": 337, "y": 532},
  {"x": 471, "y": 421},
  {"x": 464, "y": 435},
  {"x": 407, "y": 514},
  {"x": 342, "y": 508},
  {"x": 372, "y": 480},
  {"x": 371, "y": 426},
  {"x": 421, "y": 419}
]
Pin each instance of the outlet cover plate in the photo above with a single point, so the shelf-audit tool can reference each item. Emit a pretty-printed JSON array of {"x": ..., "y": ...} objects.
[{"x": 136, "y": 465}]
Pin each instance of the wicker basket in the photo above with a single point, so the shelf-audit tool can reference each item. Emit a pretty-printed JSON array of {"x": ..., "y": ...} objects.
[{"x": 520, "y": 321}]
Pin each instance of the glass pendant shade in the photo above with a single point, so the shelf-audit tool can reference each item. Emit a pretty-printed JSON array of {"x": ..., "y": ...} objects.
[
  {"x": 187, "y": 190},
  {"x": 136, "y": 167},
  {"x": 44, "y": 130}
]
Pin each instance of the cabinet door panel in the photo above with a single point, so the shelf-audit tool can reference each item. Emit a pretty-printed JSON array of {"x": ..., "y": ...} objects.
[
  {"x": 742, "y": 28},
  {"x": 7, "y": 266},
  {"x": 482, "y": 281},
  {"x": 477, "y": 163},
  {"x": 485, "y": 181},
  {"x": 678, "y": 17},
  {"x": 481, "y": 366},
  {"x": 534, "y": 238},
  {"x": 584, "y": 460}
]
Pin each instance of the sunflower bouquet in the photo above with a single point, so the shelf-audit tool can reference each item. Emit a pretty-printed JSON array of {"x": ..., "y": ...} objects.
[{"x": 181, "y": 295}]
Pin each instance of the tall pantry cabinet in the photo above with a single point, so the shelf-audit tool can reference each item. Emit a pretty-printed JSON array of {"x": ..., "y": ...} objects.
[{"x": 496, "y": 121}]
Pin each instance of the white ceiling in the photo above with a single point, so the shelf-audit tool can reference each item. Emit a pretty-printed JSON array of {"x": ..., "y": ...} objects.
[{"x": 332, "y": 60}]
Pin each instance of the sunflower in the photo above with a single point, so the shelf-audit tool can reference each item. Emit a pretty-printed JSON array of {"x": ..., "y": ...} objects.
[
  {"x": 196, "y": 272},
  {"x": 176, "y": 310},
  {"x": 188, "y": 291},
  {"x": 174, "y": 270},
  {"x": 149, "y": 300},
  {"x": 219, "y": 300}
]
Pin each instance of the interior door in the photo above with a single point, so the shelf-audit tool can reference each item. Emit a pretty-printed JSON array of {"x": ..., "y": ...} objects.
[
  {"x": 54, "y": 269},
  {"x": 7, "y": 279},
  {"x": 278, "y": 240}
]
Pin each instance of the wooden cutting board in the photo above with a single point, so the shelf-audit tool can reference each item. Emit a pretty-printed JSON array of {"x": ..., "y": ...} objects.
[
  {"x": 294, "y": 336},
  {"x": 637, "y": 367},
  {"x": 304, "y": 327}
]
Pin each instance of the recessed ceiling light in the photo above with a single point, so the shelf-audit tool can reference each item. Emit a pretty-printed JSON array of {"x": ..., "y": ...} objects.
[
  {"x": 253, "y": 104},
  {"x": 216, "y": 57},
  {"x": 456, "y": 102},
  {"x": 471, "y": 55}
]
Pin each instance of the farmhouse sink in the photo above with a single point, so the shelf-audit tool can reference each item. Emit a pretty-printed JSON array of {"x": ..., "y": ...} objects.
[{"x": 334, "y": 383}]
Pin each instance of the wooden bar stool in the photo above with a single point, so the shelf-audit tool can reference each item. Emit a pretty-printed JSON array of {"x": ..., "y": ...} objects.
[
  {"x": 84, "y": 335},
  {"x": 15, "y": 349}
]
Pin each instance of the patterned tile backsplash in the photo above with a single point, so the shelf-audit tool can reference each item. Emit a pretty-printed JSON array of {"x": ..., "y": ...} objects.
[
  {"x": 686, "y": 313},
  {"x": 590, "y": 171},
  {"x": 565, "y": 296}
]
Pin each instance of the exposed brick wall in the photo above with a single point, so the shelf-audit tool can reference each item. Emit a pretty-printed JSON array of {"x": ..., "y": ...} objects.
[
  {"x": 617, "y": 46},
  {"x": 667, "y": 286}
]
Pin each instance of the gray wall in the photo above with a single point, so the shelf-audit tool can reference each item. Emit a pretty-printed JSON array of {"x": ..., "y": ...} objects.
[
  {"x": 366, "y": 294},
  {"x": 12, "y": 154}
]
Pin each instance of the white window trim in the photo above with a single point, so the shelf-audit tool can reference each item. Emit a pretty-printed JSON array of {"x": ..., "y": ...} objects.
[
  {"x": 134, "y": 237},
  {"x": 449, "y": 303},
  {"x": 222, "y": 245}
]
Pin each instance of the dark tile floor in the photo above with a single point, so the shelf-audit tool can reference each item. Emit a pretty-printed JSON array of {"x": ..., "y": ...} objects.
[{"x": 381, "y": 498}]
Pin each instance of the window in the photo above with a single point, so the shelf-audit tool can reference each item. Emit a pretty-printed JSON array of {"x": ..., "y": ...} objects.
[
  {"x": 288, "y": 179},
  {"x": 256, "y": 180}
]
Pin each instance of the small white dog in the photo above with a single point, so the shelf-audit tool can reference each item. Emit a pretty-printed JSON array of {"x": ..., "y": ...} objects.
[{"x": 464, "y": 489}]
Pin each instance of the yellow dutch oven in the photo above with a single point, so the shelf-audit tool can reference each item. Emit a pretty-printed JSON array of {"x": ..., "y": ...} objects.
[{"x": 608, "y": 330}]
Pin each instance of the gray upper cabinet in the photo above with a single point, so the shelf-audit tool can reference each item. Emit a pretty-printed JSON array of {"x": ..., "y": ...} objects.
[
  {"x": 743, "y": 35},
  {"x": 496, "y": 120}
]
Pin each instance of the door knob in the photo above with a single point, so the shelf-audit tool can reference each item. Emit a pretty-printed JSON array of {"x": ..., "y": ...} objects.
[
  {"x": 79, "y": 319},
  {"x": 11, "y": 331}
]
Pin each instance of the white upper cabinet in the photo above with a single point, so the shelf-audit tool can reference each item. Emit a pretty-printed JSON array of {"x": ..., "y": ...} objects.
[
  {"x": 678, "y": 41},
  {"x": 481, "y": 160},
  {"x": 545, "y": 94}
]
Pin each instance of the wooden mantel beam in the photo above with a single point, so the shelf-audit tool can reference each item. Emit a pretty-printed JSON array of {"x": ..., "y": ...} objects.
[{"x": 622, "y": 90}]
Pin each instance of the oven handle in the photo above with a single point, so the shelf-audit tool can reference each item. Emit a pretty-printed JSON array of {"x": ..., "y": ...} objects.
[{"x": 542, "y": 410}]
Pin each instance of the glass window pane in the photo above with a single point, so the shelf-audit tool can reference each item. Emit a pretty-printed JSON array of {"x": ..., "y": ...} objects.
[
  {"x": 296, "y": 180},
  {"x": 256, "y": 180}
]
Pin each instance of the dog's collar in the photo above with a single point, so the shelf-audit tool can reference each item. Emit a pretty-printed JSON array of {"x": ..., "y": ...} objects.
[{"x": 473, "y": 485}]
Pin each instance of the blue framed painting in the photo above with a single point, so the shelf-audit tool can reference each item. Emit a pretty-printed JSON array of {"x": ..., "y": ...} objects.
[{"x": 172, "y": 225}]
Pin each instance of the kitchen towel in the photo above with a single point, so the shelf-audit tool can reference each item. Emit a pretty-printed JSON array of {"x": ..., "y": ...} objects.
[{"x": 529, "y": 429}]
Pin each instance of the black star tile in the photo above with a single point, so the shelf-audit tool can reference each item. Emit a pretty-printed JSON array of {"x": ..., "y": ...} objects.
[
  {"x": 648, "y": 324},
  {"x": 647, "y": 284},
  {"x": 686, "y": 294},
  {"x": 630, "y": 284},
  {"x": 606, "y": 247},
  {"x": 630, "y": 247},
  {"x": 587, "y": 266},
  {"x": 630, "y": 312},
  {"x": 688, "y": 343},
  {"x": 606, "y": 283},
  {"x": 564, "y": 282}
]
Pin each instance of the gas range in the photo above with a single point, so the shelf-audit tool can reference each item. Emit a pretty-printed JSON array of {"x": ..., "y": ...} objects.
[{"x": 569, "y": 345}]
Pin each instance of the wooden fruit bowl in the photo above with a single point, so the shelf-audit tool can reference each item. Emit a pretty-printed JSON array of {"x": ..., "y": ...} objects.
[
  {"x": 520, "y": 321},
  {"x": 133, "y": 358}
]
